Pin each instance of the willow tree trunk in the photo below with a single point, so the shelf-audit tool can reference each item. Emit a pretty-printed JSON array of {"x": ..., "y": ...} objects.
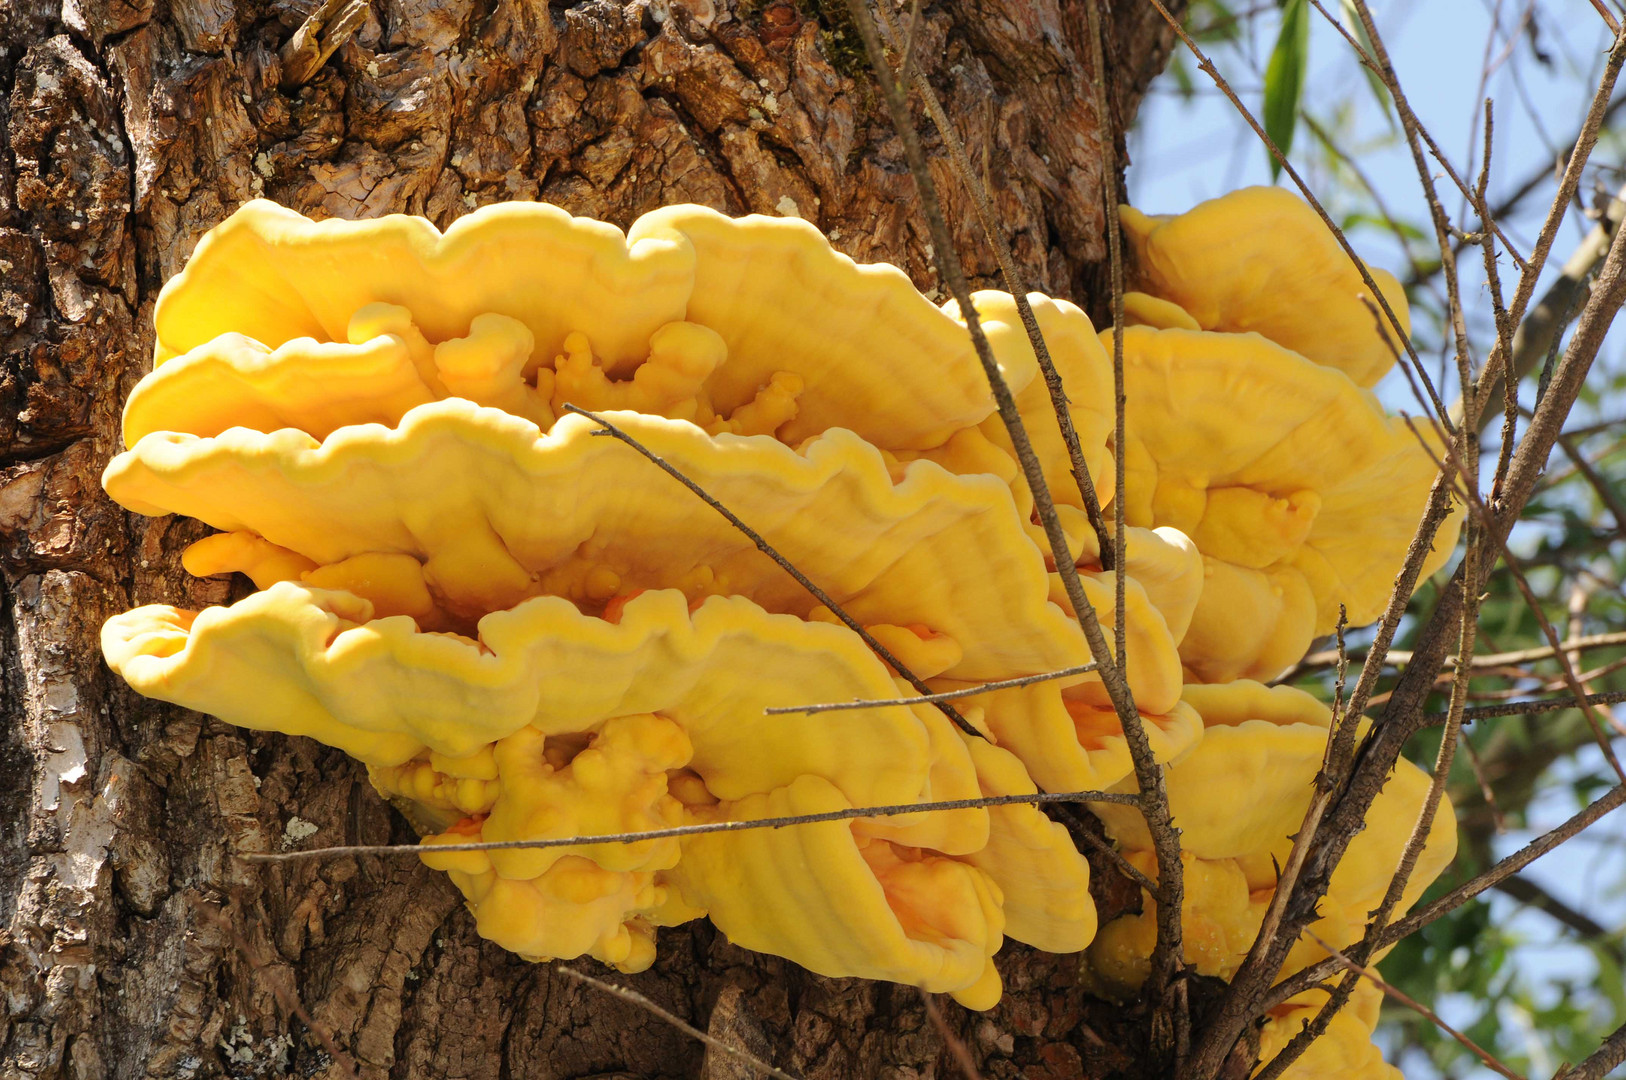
[{"x": 132, "y": 942}]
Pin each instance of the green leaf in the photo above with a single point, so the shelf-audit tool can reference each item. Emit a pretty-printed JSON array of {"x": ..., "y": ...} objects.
[
  {"x": 1373, "y": 221},
  {"x": 1284, "y": 78},
  {"x": 1219, "y": 22},
  {"x": 1352, "y": 19}
]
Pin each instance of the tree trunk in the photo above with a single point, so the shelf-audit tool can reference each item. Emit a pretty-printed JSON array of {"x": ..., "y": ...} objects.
[{"x": 132, "y": 942}]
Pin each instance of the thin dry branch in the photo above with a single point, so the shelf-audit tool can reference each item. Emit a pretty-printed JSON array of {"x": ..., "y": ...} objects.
[
  {"x": 1423, "y": 826},
  {"x": 1154, "y": 798},
  {"x": 1403, "y": 713},
  {"x": 1528, "y": 892},
  {"x": 1505, "y": 330},
  {"x": 681, "y": 831},
  {"x": 1253, "y": 977},
  {"x": 1379, "y": 62},
  {"x": 927, "y": 699},
  {"x": 1167, "y": 953},
  {"x": 1485, "y": 791},
  {"x": 956, "y": 1045},
  {"x": 1367, "y": 62},
  {"x": 1540, "y": 331},
  {"x": 1316, "y": 974},
  {"x": 1595, "y": 480},
  {"x": 1212, "y": 72},
  {"x": 1396, "y": 657},
  {"x": 676, "y": 1021},
  {"x": 1016, "y": 285},
  {"x": 1163, "y": 962},
  {"x": 1110, "y": 851},
  {"x": 1561, "y": 652},
  {"x": 1608, "y": 17},
  {"x": 1605, "y": 1058},
  {"x": 1418, "y": 1007},
  {"x": 768, "y": 549},
  {"x": 1324, "y": 788}
]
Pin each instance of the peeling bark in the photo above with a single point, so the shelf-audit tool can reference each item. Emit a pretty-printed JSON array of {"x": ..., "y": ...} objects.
[{"x": 132, "y": 943}]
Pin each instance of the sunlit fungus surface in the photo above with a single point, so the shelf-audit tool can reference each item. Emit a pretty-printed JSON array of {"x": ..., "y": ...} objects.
[{"x": 528, "y": 631}]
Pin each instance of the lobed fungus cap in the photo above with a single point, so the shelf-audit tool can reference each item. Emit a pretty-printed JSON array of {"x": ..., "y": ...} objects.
[
  {"x": 1345, "y": 1051},
  {"x": 875, "y": 909},
  {"x": 496, "y": 512},
  {"x": 1261, "y": 260},
  {"x": 1268, "y": 742},
  {"x": 765, "y": 287},
  {"x": 310, "y": 662},
  {"x": 1271, "y": 464}
]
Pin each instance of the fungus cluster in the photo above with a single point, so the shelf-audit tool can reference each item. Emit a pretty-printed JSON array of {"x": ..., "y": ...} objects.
[{"x": 529, "y": 632}]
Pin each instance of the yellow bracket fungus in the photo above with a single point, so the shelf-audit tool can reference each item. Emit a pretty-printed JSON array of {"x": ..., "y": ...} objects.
[
  {"x": 1344, "y": 1051},
  {"x": 1269, "y": 743},
  {"x": 765, "y": 287},
  {"x": 875, "y": 909},
  {"x": 1261, "y": 260},
  {"x": 496, "y": 512},
  {"x": 1297, "y": 489},
  {"x": 530, "y": 633}
]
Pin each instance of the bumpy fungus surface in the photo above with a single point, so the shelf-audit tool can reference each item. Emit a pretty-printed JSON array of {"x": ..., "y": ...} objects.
[
  {"x": 1260, "y": 260},
  {"x": 529, "y": 632},
  {"x": 759, "y": 290},
  {"x": 494, "y": 512},
  {"x": 1267, "y": 743},
  {"x": 1298, "y": 491}
]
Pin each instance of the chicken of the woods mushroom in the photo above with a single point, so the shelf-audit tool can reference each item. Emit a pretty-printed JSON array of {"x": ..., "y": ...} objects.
[{"x": 527, "y": 632}]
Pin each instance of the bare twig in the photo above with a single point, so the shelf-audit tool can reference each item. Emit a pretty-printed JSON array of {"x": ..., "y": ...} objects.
[
  {"x": 287, "y": 996},
  {"x": 1168, "y": 936},
  {"x": 1424, "y": 824},
  {"x": 1167, "y": 954},
  {"x": 956, "y": 1045},
  {"x": 1419, "y": 275},
  {"x": 1605, "y": 1058},
  {"x": 1600, "y": 486},
  {"x": 1422, "y": 1010},
  {"x": 1393, "y": 85},
  {"x": 1608, "y": 17},
  {"x": 1212, "y": 72},
  {"x": 768, "y": 549},
  {"x": 635, "y": 998},
  {"x": 1329, "y": 657},
  {"x": 1015, "y": 284},
  {"x": 1403, "y": 713},
  {"x": 1528, "y": 892},
  {"x": 1110, "y": 851},
  {"x": 1538, "y": 334},
  {"x": 1534, "y": 180},
  {"x": 1379, "y": 61},
  {"x": 1560, "y": 652},
  {"x": 1505, "y": 330},
  {"x": 1324, "y": 789},
  {"x": 949, "y": 695},
  {"x": 683, "y": 831},
  {"x": 1154, "y": 798},
  {"x": 1315, "y": 974},
  {"x": 1497, "y": 820},
  {"x": 1253, "y": 977}
]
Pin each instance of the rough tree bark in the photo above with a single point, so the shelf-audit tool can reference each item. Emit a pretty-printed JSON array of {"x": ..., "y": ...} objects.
[{"x": 132, "y": 943}]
